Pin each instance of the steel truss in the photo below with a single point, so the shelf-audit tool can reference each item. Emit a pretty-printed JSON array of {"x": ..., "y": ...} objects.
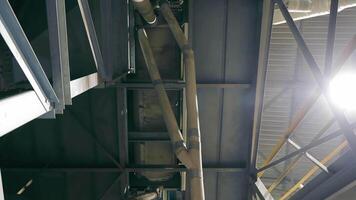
[
  {"x": 45, "y": 99},
  {"x": 322, "y": 79}
]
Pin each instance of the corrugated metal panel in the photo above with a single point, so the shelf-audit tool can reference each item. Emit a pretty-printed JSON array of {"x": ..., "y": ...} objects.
[{"x": 287, "y": 64}]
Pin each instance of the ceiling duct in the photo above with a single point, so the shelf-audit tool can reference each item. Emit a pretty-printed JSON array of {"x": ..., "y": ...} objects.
[{"x": 303, "y": 9}]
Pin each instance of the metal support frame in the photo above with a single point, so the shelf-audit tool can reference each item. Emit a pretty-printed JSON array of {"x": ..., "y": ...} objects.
[
  {"x": 121, "y": 96},
  {"x": 314, "y": 169},
  {"x": 266, "y": 29},
  {"x": 15, "y": 38},
  {"x": 309, "y": 156},
  {"x": 92, "y": 37},
  {"x": 306, "y": 148},
  {"x": 57, "y": 31},
  {"x": 136, "y": 169},
  {"x": 83, "y": 84},
  {"x": 321, "y": 81},
  {"x": 295, "y": 161},
  {"x": 333, "y": 186},
  {"x": 262, "y": 191},
  {"x": 21, "y": 108},
  {"x": 181, "y": 85}
]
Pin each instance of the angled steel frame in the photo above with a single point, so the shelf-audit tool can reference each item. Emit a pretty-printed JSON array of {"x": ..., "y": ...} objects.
[
  {"x": 299, "y": 116},
  {"x": 340, "y": 118},
  {"x": 15, "y": 38},
  {"x": 19, "y": 109},
  {"x": 92, "y": 37}
]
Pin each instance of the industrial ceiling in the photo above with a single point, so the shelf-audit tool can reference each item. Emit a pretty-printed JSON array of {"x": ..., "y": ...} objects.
[{"x": 174, "y": 99}]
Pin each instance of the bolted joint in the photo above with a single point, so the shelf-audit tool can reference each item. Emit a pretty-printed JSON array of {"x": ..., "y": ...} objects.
[
  {"x": 179, "y": 146},
  {"x": 195, "y": 173},
  {"x": 187, "y": 51}
]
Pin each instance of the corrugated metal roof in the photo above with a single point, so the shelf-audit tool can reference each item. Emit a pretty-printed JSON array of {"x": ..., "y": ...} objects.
[{"x": 286, "y": 64}]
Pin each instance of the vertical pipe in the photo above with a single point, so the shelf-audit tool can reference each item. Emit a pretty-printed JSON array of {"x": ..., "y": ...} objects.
[
  {"x": 168, "y": 115},
  {"x": 193, "y": 125},
  {"x": 144, "y": 7},
  {"x": 196, "y": 174}
]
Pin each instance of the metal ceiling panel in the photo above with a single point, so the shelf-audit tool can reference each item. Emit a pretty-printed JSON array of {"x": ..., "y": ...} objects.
[{"x": 225, "y": 38}]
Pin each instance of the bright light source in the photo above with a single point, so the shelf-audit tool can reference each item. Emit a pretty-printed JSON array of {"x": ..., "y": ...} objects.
[{"x": 343, "y": 91}]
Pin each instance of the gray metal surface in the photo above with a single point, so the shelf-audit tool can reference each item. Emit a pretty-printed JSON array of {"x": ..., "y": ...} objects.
[{"x": 226, "y": 44}]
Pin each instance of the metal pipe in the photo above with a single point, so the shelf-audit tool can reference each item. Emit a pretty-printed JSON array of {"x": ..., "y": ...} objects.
[
  {"x": 196, "y": 174},
  {"x": 193, "y": 125},
  {"x": 174, "y": 26},
  {"x": 168, "y": 115},
  {"x": 144, "y": 7}
]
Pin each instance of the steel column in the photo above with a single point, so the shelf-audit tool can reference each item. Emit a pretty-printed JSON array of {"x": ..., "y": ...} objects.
[
  {"x": 265, "y": 38},
  {"x": 57, "y": 31}
]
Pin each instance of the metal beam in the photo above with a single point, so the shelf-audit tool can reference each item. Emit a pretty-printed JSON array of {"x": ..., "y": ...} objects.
[
  {"x": 346, "y": 53},
  {"x": 313, "y": 170},
  {"x": 322, "y": 82},
  {"x": 262, "y": 191},
  {"x": 295, "y": 161},
  {"x": 331, "y": 38},
  {"x": 309, "y": 156},
  {"x": 121, "y": 98},
  {"x": 57, "y": 31},
  {"x": 181, "y": 85},
  {"x": 305, "y": 148},
  {"x": 208, "y": 168},
  {"x": 266, "y": 29},
  {"x": 2, "y": 196},
  {"x": 83, "y": 84},
  {"x": 92, "y": 37},
  {"x": 19, "y": 109},
  {"x": 15, "y": 38}
]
